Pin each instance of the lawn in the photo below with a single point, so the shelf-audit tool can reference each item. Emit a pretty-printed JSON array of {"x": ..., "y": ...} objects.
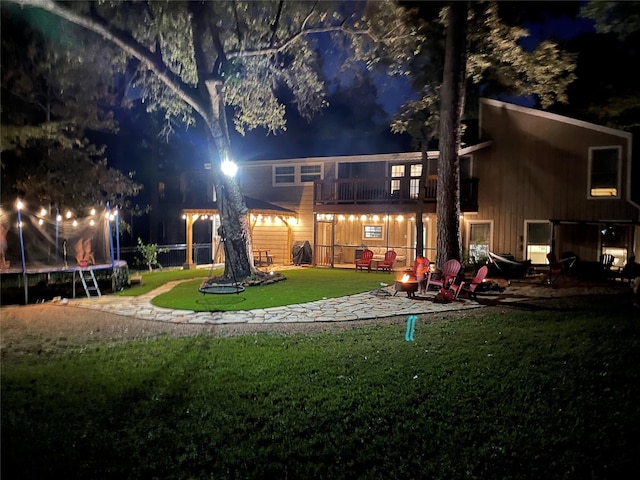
[
  {"x": 302, "y": 285},
  {"x": 515, "y": 395}
]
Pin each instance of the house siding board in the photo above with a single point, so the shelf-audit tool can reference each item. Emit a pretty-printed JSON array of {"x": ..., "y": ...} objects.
[
  {"x": 257, "y": 182},
  {"x": 537, "y": 169}
]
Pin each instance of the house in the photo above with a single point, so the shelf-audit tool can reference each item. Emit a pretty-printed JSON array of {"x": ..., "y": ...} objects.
[{"x": 534, "y": 183}]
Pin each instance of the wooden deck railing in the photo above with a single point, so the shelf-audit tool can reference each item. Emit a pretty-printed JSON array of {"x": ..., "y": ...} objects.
[{"x": 345, "y": 191}]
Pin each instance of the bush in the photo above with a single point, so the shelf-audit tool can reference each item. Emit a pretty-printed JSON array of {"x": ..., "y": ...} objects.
[{"x": 150, "y": 254}]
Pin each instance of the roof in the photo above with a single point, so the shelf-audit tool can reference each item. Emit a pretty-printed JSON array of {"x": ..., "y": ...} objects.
[{"x": 254, "y": 205}]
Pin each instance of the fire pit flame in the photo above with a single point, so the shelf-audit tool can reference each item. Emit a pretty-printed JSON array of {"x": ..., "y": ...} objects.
[{"x": 405, "y": 278}]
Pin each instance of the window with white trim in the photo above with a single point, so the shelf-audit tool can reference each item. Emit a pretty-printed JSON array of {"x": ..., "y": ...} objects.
[
  {"x": 397, "y": 173},
  {"x": 297, "y": 174},
  {"x": 405, "y": 176},
  {"x": 372, "y": 232},
  {"x": 605, "y": 172},
  {"x": 480, "y": 233},
  {"x": 537, "y": 240}
]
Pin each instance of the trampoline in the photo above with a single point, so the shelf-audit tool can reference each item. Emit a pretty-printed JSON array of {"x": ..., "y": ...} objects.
[{"x": 46, "y": 247}]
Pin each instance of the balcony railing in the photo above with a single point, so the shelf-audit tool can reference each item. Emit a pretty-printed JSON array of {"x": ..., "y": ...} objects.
[{"x": 351, "y": 191}]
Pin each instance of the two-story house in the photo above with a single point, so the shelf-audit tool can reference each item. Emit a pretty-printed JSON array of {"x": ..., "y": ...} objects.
[{"x": 534, "y": 183}]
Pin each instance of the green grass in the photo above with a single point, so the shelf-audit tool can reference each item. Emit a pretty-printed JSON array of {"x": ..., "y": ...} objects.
[
  {"x": 301, "y": 285},
  {"x": 157, "y": 278},
  {"x": 518, "y": 395}
]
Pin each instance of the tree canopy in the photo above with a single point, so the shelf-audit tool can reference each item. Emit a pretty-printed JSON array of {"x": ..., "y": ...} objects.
[
  {"x": 54, "y": 94},
  {"x": 192, "y": 59}
]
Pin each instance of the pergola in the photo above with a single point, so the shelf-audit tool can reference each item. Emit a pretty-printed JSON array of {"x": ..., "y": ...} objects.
[{"x": 255, "y": 207}]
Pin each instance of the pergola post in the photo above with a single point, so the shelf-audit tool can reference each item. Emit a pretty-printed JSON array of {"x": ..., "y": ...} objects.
[{"x": 188, "y": 264}]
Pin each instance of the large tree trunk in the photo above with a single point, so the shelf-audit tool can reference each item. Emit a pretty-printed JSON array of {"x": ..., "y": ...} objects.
[
  {"x": 235, "y": 231},
  {"x": 451, "y": 107}
]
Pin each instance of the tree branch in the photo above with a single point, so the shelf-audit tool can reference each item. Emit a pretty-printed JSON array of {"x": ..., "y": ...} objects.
[
  {"x": 274, "y": 25},
  {"x": 126, "y": 43}
]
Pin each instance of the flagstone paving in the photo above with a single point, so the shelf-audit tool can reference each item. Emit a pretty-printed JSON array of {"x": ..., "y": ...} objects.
[{"x": 379, "y": 303}]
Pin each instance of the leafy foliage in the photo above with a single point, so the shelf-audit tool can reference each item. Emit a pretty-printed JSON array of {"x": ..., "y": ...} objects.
[
  {"x": 56, "y": 87},
  {"x": 497, "y": 62},
  {"x": 190, "y": 56},
  {"x": 149, "y": 253}
]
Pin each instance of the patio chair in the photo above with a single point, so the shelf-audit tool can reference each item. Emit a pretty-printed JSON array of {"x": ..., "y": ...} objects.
[
  {"x": 387, "y": 263},
  {"x": 470, "y": 287},
  {"x": 365, "y": 260},
  {"x": 556, "y": 268},
  {"x": 448, "y": 275}
]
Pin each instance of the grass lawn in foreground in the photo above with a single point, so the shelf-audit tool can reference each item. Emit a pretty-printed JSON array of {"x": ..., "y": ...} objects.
[
  {"x": 514, "y": 395},
  {"x": 302, "y": 285}
]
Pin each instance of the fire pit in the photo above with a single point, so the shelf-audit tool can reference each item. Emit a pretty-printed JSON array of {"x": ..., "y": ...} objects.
[{"x": 406, "y": 284}]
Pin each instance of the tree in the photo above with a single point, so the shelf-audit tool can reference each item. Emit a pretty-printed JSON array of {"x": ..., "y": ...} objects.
[
  {"x": 495, "y": 61},
  {"x": 194, "y": 58},
  {"x": 451, "y": 108},
  {"x": 604, "y": 92},
  {"x": 52, "y": 95}
]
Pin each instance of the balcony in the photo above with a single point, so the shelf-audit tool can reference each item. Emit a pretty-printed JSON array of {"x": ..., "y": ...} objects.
[{"x": 351, "y": 194}]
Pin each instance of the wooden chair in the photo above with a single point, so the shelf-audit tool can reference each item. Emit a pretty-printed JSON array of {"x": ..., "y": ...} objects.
[
  {"x": 448, "y": 275},
  {"x": 470, "y": 287},
  {"x": 387, "y": 263},
  {"x": 365, "y": 260}
]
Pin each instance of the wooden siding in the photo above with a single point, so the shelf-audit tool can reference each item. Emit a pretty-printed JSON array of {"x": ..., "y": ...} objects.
[
  {"x": 537, "y": 169},
  {"x": 256, "y": 181}
]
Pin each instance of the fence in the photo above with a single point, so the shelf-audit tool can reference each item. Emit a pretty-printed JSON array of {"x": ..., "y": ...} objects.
[{"x": 170, "y": 255}]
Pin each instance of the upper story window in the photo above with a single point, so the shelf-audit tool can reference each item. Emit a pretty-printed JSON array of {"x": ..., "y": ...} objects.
[
  {"x": 406, "y": 176},
  {"x": 286, "y": 175},
  {"x": 605, "y": 168}
]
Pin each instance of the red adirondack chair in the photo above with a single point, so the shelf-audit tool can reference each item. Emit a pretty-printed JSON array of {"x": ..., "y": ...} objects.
[
  {"x": 387, "y": 263},
  {"x": 365, "y": 260},
  {"x": 471, "y": 286},
  {"x": 449, "y": 273}
]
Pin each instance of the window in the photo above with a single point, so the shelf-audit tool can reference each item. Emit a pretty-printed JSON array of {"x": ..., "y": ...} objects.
[
  {"x": 286, "y": 175},
  {"x": 397, "y": 172},
  {"x": 538, "y": 241},
  {"x": 372, "y": 231},
  {"x": 403, "y": 176},
  {"x": 479, "y": 240},
  {"x": 604, "y": 172},
  {"x": 309, "y": 173},
  {"x": 414, "y": 186}
]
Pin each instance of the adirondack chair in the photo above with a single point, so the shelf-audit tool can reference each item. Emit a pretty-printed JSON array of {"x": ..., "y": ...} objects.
[
  {"x": 449, "y": 273},
  {"x": 365, "y": 260},
  {"x": 470, "y": 287},
  {"x": 387, "y": 263}
]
